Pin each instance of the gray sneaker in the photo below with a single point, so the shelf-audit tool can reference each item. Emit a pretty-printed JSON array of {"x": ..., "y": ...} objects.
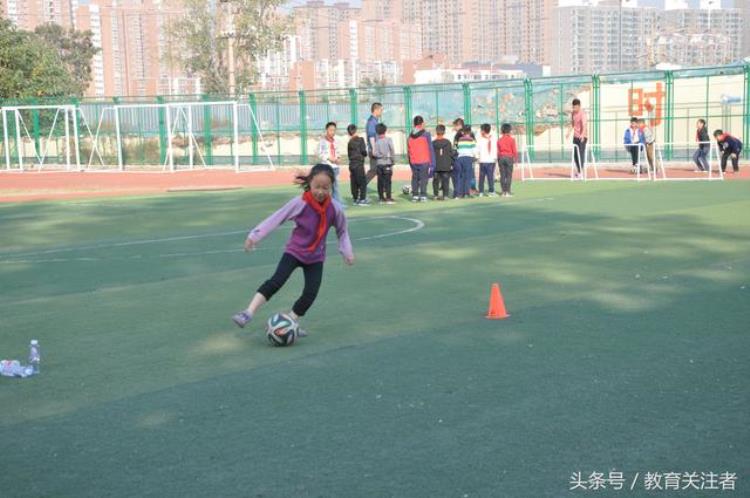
[
  {"x": 301, "y": 332},
  {"x": 242, "y": 318}
]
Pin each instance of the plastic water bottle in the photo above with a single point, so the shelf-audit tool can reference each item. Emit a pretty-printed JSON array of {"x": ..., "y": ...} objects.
[{"x": 35, "y": 356}]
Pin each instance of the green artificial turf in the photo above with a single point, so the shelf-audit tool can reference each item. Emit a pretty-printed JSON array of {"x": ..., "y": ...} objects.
[{"x": 627, "y": 349}]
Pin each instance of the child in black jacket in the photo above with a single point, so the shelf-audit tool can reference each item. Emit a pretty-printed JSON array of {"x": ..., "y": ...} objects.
[
  {"x": 443, "y": 164},
  {"x": 357, "y": 152}
]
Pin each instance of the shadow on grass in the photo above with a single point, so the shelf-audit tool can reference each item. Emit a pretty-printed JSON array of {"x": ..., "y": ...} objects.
[{"x": 626, "y": 350}]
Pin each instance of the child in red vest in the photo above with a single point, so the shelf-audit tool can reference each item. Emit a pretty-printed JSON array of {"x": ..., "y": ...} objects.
[
  {"x": 507, "y": 156},
  {"x": 421, "y": 160}
]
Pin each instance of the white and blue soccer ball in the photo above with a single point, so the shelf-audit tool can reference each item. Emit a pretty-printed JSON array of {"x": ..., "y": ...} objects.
[
  {"x": 406, "y": 189},
  {"x": 282, "y": 330}
]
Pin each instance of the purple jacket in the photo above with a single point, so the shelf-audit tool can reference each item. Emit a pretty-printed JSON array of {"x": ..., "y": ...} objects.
[{"x": 305, "y": 231}]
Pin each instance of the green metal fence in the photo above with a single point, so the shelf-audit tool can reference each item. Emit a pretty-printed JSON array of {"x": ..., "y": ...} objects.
[{"x": 290, "y": 124}]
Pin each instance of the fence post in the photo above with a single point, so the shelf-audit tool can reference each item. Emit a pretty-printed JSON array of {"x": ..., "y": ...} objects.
[
  {"x": 353, "y": 109},
  {"x": 529, "y": 116},
  {"x": 669, "y": 118},
  {"x": 36, "y": 127},
  {"x": 254, "y": 129},
  {"x": 302, "y": 126},
  {"x": 497, "y": 111},
  {"x": 407, "y": 109},
  {"x": 467, "y": 103},
  {"x": 746, "y": 112},
  {"x": 76, "y": 125},
  {"x": 162, "y": 131},
  {"x": 596, "y": 111},
  {"x": 207, "y": 134},
  {"x": 121, "y": 156}
]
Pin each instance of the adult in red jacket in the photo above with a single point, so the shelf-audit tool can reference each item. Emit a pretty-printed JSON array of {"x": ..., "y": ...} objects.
[{"x": 421, "y": 159}]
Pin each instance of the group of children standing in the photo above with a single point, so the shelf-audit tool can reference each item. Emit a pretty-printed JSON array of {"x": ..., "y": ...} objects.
[
  {"x": 441, "y": 160},
  {"x": 456, "y": 161}
]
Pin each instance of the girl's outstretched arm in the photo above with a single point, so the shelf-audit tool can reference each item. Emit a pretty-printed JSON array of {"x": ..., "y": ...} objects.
[
  {"x": 342, "y": 231},
  {"x": 290, "y": 211}
]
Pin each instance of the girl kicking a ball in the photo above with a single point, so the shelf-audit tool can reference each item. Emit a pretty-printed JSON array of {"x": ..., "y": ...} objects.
[{"x": 313, "y": 213}]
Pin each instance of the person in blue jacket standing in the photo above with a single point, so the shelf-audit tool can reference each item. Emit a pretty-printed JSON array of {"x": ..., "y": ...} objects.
[{"x": 376, "y": 111}]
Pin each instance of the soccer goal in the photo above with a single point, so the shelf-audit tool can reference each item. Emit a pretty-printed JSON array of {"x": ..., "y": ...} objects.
[
  {"x": 623, "y": 162},
  {"x": 677, "y": 162},
  {"x": 40, "y": 137},
  {"x": 539, "y": 163},
  {"x": 174, "y": 136}
]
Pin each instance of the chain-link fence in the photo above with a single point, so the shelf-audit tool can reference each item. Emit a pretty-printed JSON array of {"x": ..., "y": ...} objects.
[{"x": 285, "y": 127}]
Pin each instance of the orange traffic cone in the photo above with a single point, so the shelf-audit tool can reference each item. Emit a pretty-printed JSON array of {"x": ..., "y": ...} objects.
[{"x": 497, "y": 305}]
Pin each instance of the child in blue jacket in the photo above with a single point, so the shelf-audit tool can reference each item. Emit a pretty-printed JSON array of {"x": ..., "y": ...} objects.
[
  {"x": 730, "y": 147},
  {"x": 633, "y": 141}
]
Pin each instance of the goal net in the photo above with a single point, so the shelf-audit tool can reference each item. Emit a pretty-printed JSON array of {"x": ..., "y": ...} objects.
[
  {"x": 628, "y": 162},
  {"x": 619, "y": 162},
  {"x": 175, "y": 136},
  {"x": 40, "y": 137},
  {"x": 549, "y": 163},
  {"x": 683, "y": 161}
]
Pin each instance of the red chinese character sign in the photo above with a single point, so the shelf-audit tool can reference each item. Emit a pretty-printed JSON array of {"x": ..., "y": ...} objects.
[{"x": 650, "y": 103}]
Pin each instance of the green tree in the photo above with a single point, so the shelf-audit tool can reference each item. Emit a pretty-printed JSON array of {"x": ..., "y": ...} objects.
[
  {"x": 200, "y": 40},
  {"x": 76, "y": 50},
  {"x": 29, "y": 67}
]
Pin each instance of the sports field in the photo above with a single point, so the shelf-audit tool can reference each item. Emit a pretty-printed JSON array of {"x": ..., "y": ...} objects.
[{"x": 627, "y": 349}]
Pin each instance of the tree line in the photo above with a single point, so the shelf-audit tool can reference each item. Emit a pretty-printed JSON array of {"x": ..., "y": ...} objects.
[
  {"x": 53, "y": 61},
  {"x": 50, "y": 61}
]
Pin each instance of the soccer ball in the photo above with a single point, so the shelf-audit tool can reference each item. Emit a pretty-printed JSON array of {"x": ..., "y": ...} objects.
[
  {"x": 406, "y": 189},
  {"x": 281, "y": 330}
]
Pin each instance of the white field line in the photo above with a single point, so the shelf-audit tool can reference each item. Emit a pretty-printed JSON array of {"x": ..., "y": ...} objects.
[{"x": 418, "y": 225}]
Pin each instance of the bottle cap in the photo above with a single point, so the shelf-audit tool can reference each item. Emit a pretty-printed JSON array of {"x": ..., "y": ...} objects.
[{"x": 34, "y": 342}]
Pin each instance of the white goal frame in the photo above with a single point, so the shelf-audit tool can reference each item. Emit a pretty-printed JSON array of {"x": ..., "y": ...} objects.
[
  {"x": 637, "y": 176},
  {"x": 177, "y": 113},
  {"x": 527, "y": 166},
  {"x": 593, "y": 164},
  {"x": 714, "y": 160},
  {"x": 69, "y": 113}
]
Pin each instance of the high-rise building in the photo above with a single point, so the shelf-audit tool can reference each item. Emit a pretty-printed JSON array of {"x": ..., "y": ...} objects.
[
  {"x": 340, "y": 45},
  {"x": 134, "y": 45},
  {"x": 483, "y": 31},
  {"x": 318, "y": 26},
  {"x": 592, "y": 36},
  {"x": 28, "y": 14},
  {"x": 444, "y": 25},
  {"x": 698, "y": 37},
  {"x": 275, "y": 68},
  {"x": 746, "y": 29},
  {"x": 397, "y": 10},
  {"x": 523, "y": 30}
]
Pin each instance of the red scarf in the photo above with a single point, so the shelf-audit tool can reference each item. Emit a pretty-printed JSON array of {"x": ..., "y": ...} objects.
[
  {"x": 331, "y": 148},
  {"x": 321, "y": 209}
]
